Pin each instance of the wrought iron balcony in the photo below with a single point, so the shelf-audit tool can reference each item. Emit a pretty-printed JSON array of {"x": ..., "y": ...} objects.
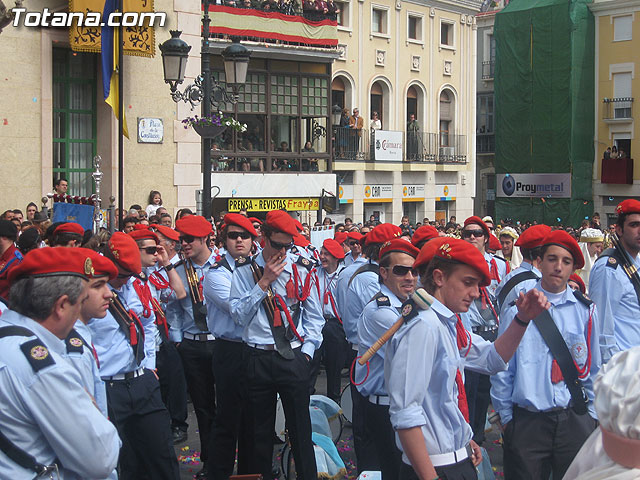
[
  {"x": 619, "y": 109},
  {"x": 488, "y": 69}
]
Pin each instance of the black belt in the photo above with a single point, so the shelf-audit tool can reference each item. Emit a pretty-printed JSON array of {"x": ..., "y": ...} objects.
[{"x": 533, "y": 411}]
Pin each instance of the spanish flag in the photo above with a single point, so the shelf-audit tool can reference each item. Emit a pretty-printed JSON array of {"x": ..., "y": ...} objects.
[{"x": 110, "y": 46}]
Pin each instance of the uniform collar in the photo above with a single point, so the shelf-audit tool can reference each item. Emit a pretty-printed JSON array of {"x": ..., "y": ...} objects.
[
  {"x": 565, "y": 297},
  {"x": 230, "y": 260},
  {"x": 395, "y": 301},
  {"x": 442, "y": 311},
  {"x": 51, "y": 341}
]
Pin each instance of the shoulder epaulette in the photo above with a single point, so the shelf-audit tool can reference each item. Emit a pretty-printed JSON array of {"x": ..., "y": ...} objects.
[
  {"x": 612, "y": 260},
  {"x": 383, "y": 301},
  {"x": 409, "y": 310},
  {"x": 74, "y": 342},
  {"x": 224, "y": 263},
  {"x": 305, "y": 262},
  {"x": 242, "y": 261},
  {"x": 582, "y": 298},
  {"x": 37, "y": 354},
  {"x": 311, "y": 247},
  {"x": 294, "y": 250}
]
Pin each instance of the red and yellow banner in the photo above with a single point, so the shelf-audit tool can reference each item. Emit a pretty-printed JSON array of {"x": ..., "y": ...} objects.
[{"x": 266, "y": 25}]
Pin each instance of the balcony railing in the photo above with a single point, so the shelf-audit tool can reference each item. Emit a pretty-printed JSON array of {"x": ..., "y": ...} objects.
[
  {"x": 488, "y": 69},
  {"x": 439, "y": 148},
  {"x": 617, "y": 108},
  {"x": 485, "y": 143},
  {"x": 617, "y": 171}
]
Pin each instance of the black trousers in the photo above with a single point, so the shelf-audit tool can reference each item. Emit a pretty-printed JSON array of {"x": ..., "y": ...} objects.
[
  {"x": 538, "y": 444},
  {"x": 463, "y": 470},
  {"x": 478, "y": 389},
  {"x": 197, "y": 360},
  {"x": 366, "y": 456},
  {"x": 334, "y": 354},
  {"x": 269, "y": 374},
  {"x": 232, "y": 424},
  {"x": 173, "y": 385},
  {"x": 384, "y": 440},
  {"x": 136, "y": 409}
]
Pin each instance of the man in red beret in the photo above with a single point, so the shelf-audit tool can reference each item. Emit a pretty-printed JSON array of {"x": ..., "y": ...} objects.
[
  {"x": 59, "y": 427},
  {"x": 523, "y": 278},
  {"x": 423, "y": 234},
  {"x": 161, "y": 281},
  {"x": 68, "y": 235},
  {"x": 125, "y": 344},
  {"x": 334, "y": 344},
  {"x": 341, "y": 238},
  {"x": 10, "y": 256},
  {"x": 357, "y": 284},
  {"x": 617, "y": 294},
  {"x": 354, "y": 240},
  {"x": 545, "y": 419},
  {"x": 231, "y": 426},
  {"x": 276, "y": 303},
  {"x": 397, "y": 283},
  {"x": 477, "y": 233},
  {"x": 428, "y": 408},
  {"x": 191, "y": 329}
]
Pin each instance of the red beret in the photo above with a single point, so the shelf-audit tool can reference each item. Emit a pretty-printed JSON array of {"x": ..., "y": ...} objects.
[
  {"x": 141, "y": 226},
  {"x": 255, "y": 220},
  {"x": 576, "y": 278},
  {"x": 168, "y": 232},
  {"x": 458, "y": 250},
  {"x": 383, "y": 233},
  {"x": 194, "y": 225},
  {"x": 70, "y": 227},
  {"x": 628, "y": 206},
  {"x": 145, "y": 234},
  {"x": 102, "y": 266},
  {"x": 125, "y": 252},
  {"x": 424, "y": 233},
  {"x": 533, "y": 236},
  {"x": 298, "y": 224},
  {"x": 566, "y": 241},
  {"x": 399, "y": 245},
  {"x": 240, "y": 221},
  {"x": 334, "y": 248},
  {"x": 48, "y": 261},
  {"x": 281, "y": 221},
  {"x": 341, "y": 237},
  {"x": 494, "y": 243},
  {"x": 300, "y": 241},
  {"x": 357, "y": 236},
  {"x": 478, "y": 221}
]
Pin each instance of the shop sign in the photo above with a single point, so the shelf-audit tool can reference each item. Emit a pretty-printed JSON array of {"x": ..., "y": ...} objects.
[
  {"x": 413, "y": 193},
  {"x": 345, "y": 193},
  {"x": 378, "y": 193},
  {"x": 268, "y": 204},
  {"x": 388, "y": 145},
  {"x": 537, "y": 185}
]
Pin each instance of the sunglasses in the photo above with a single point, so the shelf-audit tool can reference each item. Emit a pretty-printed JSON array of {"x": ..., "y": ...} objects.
[
  {"x": 124, "y": 275},
  {"x": 187, "y": 238},
  {"x": 470, "y": 233},
  {"x": 280, "y": 246},
  {"x": 402, "y": 270},
  {"x": 150, "y": 250},
  {"x": 353, "y": 242},
  {"x": 237, "y": 235}
]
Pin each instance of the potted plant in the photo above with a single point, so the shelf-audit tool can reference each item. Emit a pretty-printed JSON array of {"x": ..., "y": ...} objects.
[{"x": 213, "y": 125}]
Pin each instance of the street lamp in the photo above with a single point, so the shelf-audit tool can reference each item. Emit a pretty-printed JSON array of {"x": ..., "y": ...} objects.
[
  {"x": 336, "y": 113},
  {"x": 204, "y": 89}
]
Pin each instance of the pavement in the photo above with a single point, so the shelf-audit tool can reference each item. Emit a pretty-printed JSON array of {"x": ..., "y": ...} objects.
[{"x": 189, "y": 452}]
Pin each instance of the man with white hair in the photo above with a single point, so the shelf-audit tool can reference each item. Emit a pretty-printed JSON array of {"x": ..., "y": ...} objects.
[
  {"x": 591, "y": 244},
  {"x": 612, "y": 452}
]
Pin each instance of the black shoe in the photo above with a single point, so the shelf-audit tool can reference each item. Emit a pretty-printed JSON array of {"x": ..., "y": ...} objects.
[
  {"x": 202, "y": 474},
  {"x": 179, "y": 435}
]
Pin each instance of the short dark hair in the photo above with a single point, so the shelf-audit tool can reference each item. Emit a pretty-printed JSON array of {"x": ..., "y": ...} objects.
[
  {"x": 372, "y": 251},
  {"x": 57, "y": 182},
  {"x": 129, "y": 219},
  {"x": 62, "y": 239},
  {"x": 135, "y": 206},
  {"x": 17, "y": 211},
  {"x": 437, "y": 263}
]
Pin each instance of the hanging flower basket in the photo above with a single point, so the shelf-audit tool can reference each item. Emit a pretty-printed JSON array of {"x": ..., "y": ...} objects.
[
  {"x": 213, "y": 125},
  {"x": 209, "y": 131}
]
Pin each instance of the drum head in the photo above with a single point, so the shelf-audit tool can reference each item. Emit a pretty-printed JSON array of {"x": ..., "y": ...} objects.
[
  {"x": 346, "y": 403},
  {"x": 280, "y": 421}
]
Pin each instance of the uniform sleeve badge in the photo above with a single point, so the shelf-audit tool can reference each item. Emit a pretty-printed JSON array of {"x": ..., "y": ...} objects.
[
  {"x": 37, "y": 354},
  {"x": 407, "y": 309}
]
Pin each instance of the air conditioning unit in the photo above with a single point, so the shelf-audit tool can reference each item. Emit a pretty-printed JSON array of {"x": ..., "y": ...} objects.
[{"x": 446, "y": 152}]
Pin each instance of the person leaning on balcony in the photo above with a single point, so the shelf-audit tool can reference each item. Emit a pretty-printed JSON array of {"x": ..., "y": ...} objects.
[
  {"x": 614, "y": 152},
  {"x": 356, "y": 122}
]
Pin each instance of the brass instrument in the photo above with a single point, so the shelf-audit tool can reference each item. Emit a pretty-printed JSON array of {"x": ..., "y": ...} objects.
[
  {"x": 133, "y": 331},
  {"x": 197, "y": 300}
]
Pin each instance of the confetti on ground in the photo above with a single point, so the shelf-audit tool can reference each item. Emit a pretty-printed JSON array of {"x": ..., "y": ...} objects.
[{"x": 192, "y": 459}]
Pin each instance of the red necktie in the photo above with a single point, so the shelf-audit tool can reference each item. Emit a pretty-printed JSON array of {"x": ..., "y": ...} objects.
[{"x": 463, "y": 340}]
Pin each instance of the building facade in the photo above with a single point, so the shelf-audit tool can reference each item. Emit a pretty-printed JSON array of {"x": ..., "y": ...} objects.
[{"x": 617, "y": 25}]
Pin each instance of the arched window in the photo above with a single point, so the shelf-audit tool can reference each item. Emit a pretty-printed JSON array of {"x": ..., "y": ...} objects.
[{"x": 447, "y": 112}]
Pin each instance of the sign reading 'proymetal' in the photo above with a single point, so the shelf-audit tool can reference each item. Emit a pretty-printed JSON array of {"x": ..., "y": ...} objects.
[
  {"x": 267, "y": 204},
  {"x": 538, "y": 185}
]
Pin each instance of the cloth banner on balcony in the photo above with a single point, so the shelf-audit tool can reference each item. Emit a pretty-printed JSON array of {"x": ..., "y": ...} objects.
[
  {"x": 242, "y": 22},
  {"x": 138, "y": 41},
  {"x": 71, "y": 212}
]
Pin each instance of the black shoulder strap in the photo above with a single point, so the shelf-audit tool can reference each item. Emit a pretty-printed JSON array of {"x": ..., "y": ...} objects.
[
  {"x": 75, "y": 343},
  {"x": 15, "y": 331},
  {"x": 560, "y": 351},
  {"x": 22, "y": 458},
  {"x": 582, "y": 298},
  {"x": 224, "y": 263},
  {"x": 613, "y": 253},
  {"x": 512, "y": 282},
  {"x": 305, "y": 262},
  {"x": 367, "y": 267}
]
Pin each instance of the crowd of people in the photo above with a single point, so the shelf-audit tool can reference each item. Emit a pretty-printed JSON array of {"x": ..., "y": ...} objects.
[{"x": 102, "y": 341}]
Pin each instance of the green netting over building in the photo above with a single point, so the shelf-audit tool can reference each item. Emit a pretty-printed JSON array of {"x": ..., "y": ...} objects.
[{"x": 544, "y": 90}]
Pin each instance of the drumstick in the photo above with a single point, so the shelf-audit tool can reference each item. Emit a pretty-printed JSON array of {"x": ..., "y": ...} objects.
[{"x": 422, "y": 300}]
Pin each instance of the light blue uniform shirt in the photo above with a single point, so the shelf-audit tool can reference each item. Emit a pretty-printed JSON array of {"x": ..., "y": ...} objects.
[
  {"x": 501, "y": 264},
  {"x": 48, "y": 413},
  {"x": 523, "y": 286},
  {"x": 618, "y": 309},
  {"x": 182, "y": 310},
  {"x": 349, "y": 260},
  {"x": 420, "y": 367},
  {"x": 245, "y": 301},
  {"x": 362, "y": 289},
  {"x": 148, "y": 323},
  {"x": 113, "y": 349},
  {"x": 328, "y": 282},
  {"x": 527, "y": 381},
  {"x": 217, "y": 286},
  {"x": 372, "y": 324},
  {"x": 351, "y": 330}
]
